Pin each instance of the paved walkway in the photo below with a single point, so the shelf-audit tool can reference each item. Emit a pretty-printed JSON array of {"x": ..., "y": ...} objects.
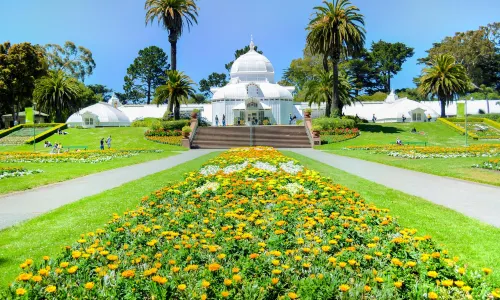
[
  {"x": 475, "y": 200},
  {"x": 21, "y": 206}
]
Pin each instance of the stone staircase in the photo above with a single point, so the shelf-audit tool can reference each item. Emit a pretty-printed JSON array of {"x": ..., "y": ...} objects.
[{"x": 235, "y": 136}]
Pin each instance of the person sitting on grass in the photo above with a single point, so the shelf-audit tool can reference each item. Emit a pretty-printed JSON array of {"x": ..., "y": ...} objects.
[{"x": 399, "y": 142}]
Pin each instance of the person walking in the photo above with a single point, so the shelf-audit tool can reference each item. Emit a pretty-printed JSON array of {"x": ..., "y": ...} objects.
[
  {"x": 102, "y": 144},
  {"x": 223, "y": 120},
  {"x": 108, "y": 141},
  {"x": 216, "y": 120},
  {"x": 291, "y": 119},
  {"x": 374, "y": 118},
  {"x": 403, "y": 118},
  {"x": 429, "y": 118}
]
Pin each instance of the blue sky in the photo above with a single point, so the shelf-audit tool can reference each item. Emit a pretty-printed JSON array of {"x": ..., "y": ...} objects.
[{"x": 114, "y": 30}]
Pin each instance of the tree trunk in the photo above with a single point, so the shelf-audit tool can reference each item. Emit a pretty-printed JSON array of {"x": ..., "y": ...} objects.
[
  {"x": 328, "y": 109},
  {"x": 325, "y": 63},
  {"x": 177, "y": 110},
  {"x": 172, "y": 38},
  {"x": 335, "y": 98},
  {"x": 443, "y": 108},
  {"x": 149, "y": 92},
  {"x": 170, "y": 107},
  {"x": 388, "y": 82}
]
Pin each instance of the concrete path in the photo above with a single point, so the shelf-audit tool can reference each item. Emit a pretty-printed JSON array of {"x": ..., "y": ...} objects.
[
  {"x": 21, "y": 206},
  {"x": 475, "y": 200}
]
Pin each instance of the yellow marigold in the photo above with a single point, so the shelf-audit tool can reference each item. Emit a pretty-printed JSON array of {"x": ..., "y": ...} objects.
[
  {"x": 487, "y": 271},
  {"x": 72, "y": 269},
  {"x": 306, "y": 265},
  {"x": 344, "y": 287},
  {"x": 228, "y": 282},
  {"x": 368, "y": 257},
  {"x": 181, "y": 287},
  {"x": 43, "y": 272},
  {"x": 466, "y": 288},
  {"x": 205, "y": 284},
  {"x": 275, "y": 280},
  {"x": 204, "y": 297},
  {"x": 367, "y": 288},
  {"x": 237, "y": 278},
  {"x": 128, "y": 273},
  {"x": 276, "y": 271},
  {"x": 64, "y": 264},
  {"x": 46, "y": 258},
  {"x": 379, "y": 279},
  {"x": 236, "y": 270},
  {"x": 36, "y": 278},
  {"x": 175, "y": 269},
  {"x": 254, "y": 255},
  {"x": 275, "y": 262},
  {"x": 225, "y": 294},
  {"x": 411, "y": 264},
  {"x": 76, "y": 254},
  {"x": 432, "y": 274},
  {"x": 459, "y": 283},
  {"x": 50, "y": 289},
  {"x": 448, "y": 282},
  {"x": 159, "y": 279},
  {"x": 432, "y": 295},
  {"x": 24, "y": 277},
  {"x": 398, "y": 284},
  {"x": 496, "y": 294},
  {"x": 326, "y": 248},
  {"x": 461, "y": 271},
  {"x": 214, "y": 267},
  {"x": 342, "y": 264},
  {"x": 352, "y": 262},
  {"x": 112, "y": 257},
  {"x": 293, "y": 296},
  {"x": 89, "y": 285},
  {"x": 20, "y": 291}
]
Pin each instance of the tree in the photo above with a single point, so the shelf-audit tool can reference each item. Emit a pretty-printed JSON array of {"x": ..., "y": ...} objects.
[
  {"x": 101, "y": 91},
  {"x": 57, "y": 93},
  {"x": 178, "y": 87},
  {"x": 410, "y": 93},
  {"x": 364, "y": 73},
  {"x": 197, "y": 98},
  {"x": 213, "y": 80},
  {"x": 318, "y": 90},
  {"x": 301, "y": 71},
  {"x": 336, "y": 30},
  {"x": 477, "y": 50},
  {"x": 133, "y": 97},
  {"x": 239, "y": 53},
  {"x": 76, "y": 61},
  {"x": 172, "y": 15},
  {"x": 388, "y": 59},
  {"x": 144, "y": 74},
  {"x": 20, "y": 66},
  {"x": 444, "y": 79}
]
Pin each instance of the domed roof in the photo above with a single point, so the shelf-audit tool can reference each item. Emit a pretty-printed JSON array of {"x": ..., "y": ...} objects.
[
  {"x": 253, "y": 66},
  {"x": 106, "y": 114},
  {"x": 262, "y": 90}
]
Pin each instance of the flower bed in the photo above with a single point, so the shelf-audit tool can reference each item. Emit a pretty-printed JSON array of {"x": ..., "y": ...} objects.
[
  {"x": 170, "y": 140},
  {"x": 416, "y": 152},
  {"x": 16, "y": 172},
  {"x": 492, "y": 164},
  {"x": 476, "y": 128},
  {"x": 338, "y": 135},
  {"x": 92, "y": 156},
  {"x": 252, "y": 224}
]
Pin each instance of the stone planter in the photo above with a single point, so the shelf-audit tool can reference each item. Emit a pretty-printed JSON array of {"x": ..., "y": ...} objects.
[
  {"x": 185, "y": 134},
  {"x": 315, "y": 133},
  {"x": 307, "y": 114},
  {"x": 194, "y": 115}
]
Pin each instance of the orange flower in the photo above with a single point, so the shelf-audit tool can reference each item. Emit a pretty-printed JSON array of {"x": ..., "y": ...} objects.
[
  {"x": 89, "y": 285},
  {"x": 181, "y": 287},
  {"x": 128, "y": 273},
  {"x": 344, "y": 287},
  {"x": 275, "y": 280},
  {"x": 159, "y": 279},
  {"x": 225, "y": 294},
  {"x": 432, "y": 295},
  {"x": 254, "y": 255},
  {"x": 214, "y": 267},
  {"x": 20, "y": 291},
  {"x": 293, "y": 296}
]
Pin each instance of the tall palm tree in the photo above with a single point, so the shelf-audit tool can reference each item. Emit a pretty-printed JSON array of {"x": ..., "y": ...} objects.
[
  {"x": 318, "y": 90},
  {"x": 444, "y": 79},
  {"x": 178, "y": 87},
  {"x": 172, "y": 15},
  {"x": 57, "y": 93},
  {"x": 336, "y": 30}
]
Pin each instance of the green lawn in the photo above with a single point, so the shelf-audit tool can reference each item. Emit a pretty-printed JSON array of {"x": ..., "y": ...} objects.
[
  {"x": 437, "y": 134},
  {"x": 474, "y": 242},
  {"x": 47, "y": 234},
  {"x": 122, "y": 138}
]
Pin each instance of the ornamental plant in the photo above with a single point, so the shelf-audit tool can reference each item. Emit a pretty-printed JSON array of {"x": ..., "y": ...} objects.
[{"x": 252, "y": 224}]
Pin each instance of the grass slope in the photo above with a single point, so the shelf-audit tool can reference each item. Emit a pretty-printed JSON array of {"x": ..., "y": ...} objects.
[
  {"x": 437, "y": 134},
  {"x": 474, "y": 242},
  {"x": 47, "y": 234},
  {"x": 122, "y": 138}
]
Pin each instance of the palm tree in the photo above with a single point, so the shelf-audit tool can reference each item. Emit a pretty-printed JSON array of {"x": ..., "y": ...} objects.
[
  {"x": 336, "y": 30},
  {"x": 172, "y": 15},
  {"x": 318, "y": 90},
  {"x": 178, "y": 87},
  {"x": 57, "y": 92},
  {"x": 444, "y": 79}
]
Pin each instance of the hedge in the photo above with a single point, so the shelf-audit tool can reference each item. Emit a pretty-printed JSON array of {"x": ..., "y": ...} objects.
[
  {"x": 46, "y": 133},
  {"x": 170, "y": 125},
  {"x": 333, "y": 123},
  {"x": 146, "y": 122},
  {"x": 458, "y": 128},
  {"x": 492, "y": 123},
  {"x": 10, "y": 130}
]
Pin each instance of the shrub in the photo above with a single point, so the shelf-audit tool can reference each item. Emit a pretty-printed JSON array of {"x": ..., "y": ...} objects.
[
  {"x": 174, "y": 125},
  {"x": 10, "y": 130},
  {"x": 162, "y": 132},
  {"x": 186, "y": 129},
  {"x": 378, "y": 96},
  {"x": 146, "y": 122},
  {"x": 333, "y": 123},
  {"x": 46, "y": 133}
]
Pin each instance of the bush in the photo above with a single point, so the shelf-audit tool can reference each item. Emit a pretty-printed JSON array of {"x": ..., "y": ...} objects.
[
  {"x": 334, "y": 123},
  {"x": 146, "y": 122},
  {"x": 378, "y": 96},
  {"x": 162, "y": 132},
  {"x": 186, "y": 129},
  {"x": 174, "y": 125}
]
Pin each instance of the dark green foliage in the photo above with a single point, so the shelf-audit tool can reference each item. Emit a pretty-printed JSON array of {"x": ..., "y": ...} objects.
[
  {"x": 101, "y": 91},
  {"x": 329, "y": 124},
  {"x": 213, "y": 80},
  {"x": 144, "y": 74},
  {"x": 388, "y": 59}
]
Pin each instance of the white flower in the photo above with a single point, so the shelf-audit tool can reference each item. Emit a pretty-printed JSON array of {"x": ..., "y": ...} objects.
[
  {"x": 291, "y": 168},
  {"x": 209, "y": 186},
  {"x": 294, "y": 188}
]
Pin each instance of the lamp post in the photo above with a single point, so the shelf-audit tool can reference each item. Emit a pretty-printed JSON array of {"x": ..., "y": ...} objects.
[{"x": 34, "y": 117}]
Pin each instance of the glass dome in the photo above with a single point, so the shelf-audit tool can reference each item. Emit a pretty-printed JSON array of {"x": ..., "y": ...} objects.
[{"x": 252, "y": 67}]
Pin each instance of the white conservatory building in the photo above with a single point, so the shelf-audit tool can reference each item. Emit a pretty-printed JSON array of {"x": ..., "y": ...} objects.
[
  {"x": 101, "y": 114},
  {"x": 252, "y": 96}
]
